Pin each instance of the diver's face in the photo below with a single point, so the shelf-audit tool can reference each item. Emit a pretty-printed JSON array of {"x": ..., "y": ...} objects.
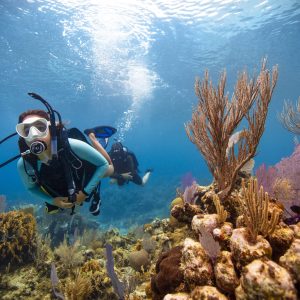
[{"x": 36, "y": 129}]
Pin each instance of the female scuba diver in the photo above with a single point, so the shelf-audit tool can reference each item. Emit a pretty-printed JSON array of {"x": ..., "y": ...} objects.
[{"x": 63, "y": 171}]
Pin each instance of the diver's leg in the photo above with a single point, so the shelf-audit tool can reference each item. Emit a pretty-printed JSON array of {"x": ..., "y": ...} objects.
[
  {"x": 95, "y": 143},
  {"x": 136, "y": 178},
  {"x": 96, "y": 201}
]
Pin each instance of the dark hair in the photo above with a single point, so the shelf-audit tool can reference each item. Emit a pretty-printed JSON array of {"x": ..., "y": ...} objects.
[
  {"x": 117, "y": 147},
  {"x": 37, "y": 112}
]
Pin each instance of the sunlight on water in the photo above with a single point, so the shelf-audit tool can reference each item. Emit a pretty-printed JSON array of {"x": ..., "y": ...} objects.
[
  {"x": 139, "y": 93},
  {"x": 114, "y": 37}
]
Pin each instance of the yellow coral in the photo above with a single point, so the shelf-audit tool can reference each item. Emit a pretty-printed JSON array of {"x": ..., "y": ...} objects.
[
  {"x": 78, "y": 289},
  {"x": 92, "y": 266},
  {"x": 222, "y": 213},
  {"x": 256, "y": 209},
  {"x": 17, "y": 237}
]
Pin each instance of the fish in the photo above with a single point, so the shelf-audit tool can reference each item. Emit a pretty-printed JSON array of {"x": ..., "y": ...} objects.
[{"x": 233, "y": 140}]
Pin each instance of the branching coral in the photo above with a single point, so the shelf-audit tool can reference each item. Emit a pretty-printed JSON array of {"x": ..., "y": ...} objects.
[
  {"x": 216, "y": 118},
  {"x": 222, "y": 213},
  {"x": 256, "y": 210},
  {"x": 100, "y": 284},
  {"x": 79, "y": 288},
  {"x": 43, "y": 252},
  {"x": 290, "y": 116},
  {"x": 17, "y": 237},
  {"x": 70, "y": 256}
]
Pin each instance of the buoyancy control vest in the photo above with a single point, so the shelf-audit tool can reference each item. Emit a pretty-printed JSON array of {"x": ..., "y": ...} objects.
[
  {"x": 51, "y": 177},
  {"x": 123, "y": 160}
]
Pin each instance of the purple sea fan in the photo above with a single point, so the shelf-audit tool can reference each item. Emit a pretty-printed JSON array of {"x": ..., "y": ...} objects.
[
  {"x": 286, "y": 173},
  {"x": 266, "y": 177},
  {"x": 210, "y": 245},
  {"x": 55, "y": 282},
  {"x": 289, "y": 168},
  {"x": 187, "y": 180},
  {"x": 118, "y": 286},
  {"x": 190, "y": 193}
]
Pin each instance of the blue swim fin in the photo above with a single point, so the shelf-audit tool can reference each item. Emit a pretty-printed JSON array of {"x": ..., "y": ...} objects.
[{"x": 102, "y": 133}]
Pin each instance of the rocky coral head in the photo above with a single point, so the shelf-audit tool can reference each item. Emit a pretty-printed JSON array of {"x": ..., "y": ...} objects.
[{"x": 168, "y": 275}]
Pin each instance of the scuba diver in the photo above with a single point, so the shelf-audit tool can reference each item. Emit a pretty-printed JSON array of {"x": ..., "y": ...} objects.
[
  {"x": 126, "y": 166},
  {"x": 56, "y": 164},
  {"x": 124, "y": 162}
]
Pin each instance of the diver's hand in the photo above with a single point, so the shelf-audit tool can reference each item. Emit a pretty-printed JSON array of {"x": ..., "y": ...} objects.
[
  {"x": 127, "y": 176},
  {"x": 62, "y": 202},
  {"x": 80, "y": 197}
]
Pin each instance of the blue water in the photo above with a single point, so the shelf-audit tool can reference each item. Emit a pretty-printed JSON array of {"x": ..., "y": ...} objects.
[{"x": 132, "y": 64}]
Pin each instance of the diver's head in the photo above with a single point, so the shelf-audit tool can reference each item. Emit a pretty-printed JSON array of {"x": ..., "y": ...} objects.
[
  {"x": 117, "y": 148},
  {"x": 34, "y": 126}
]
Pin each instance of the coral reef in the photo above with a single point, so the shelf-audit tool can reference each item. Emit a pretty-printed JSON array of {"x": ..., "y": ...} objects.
[
  {"x": 17, "y": 237},
  {"x": 227, "y": 240}
]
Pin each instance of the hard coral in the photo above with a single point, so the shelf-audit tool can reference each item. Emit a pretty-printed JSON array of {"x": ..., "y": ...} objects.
[
  {"x": 168, "y": 274},
  {"x": 207, "y": 293},
  {"x": 195, "y": 264},
  {"x": 244, "y": 251},
  {"x": 17, "y": 237},
  {"x": 291, "y": 260},
  {"x": 139, "y": 260},
  {"x": 225, "y": 274},
  {"x": 265, "y": 280},
  {"x": 281, "y": 239}
]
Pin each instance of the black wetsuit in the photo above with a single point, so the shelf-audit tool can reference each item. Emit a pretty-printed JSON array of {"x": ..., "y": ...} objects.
[{"x": 125, "y": 162}]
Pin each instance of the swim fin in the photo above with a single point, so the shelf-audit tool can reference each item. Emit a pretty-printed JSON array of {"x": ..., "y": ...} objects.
[{"x": 102, "y": 133}]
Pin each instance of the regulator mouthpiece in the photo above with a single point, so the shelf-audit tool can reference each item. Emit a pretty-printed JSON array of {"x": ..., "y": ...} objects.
[{"x": 37, "y": 147}]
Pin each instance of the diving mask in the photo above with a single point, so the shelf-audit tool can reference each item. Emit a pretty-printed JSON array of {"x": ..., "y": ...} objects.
[{"x": 33, "y": 128}]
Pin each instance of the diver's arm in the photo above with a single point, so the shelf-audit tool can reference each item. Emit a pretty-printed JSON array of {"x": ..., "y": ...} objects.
[
  {"x": 30, "y": 185},
  {"x": 36, "y": 191},
  {"x": 88, "y": 153}
]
